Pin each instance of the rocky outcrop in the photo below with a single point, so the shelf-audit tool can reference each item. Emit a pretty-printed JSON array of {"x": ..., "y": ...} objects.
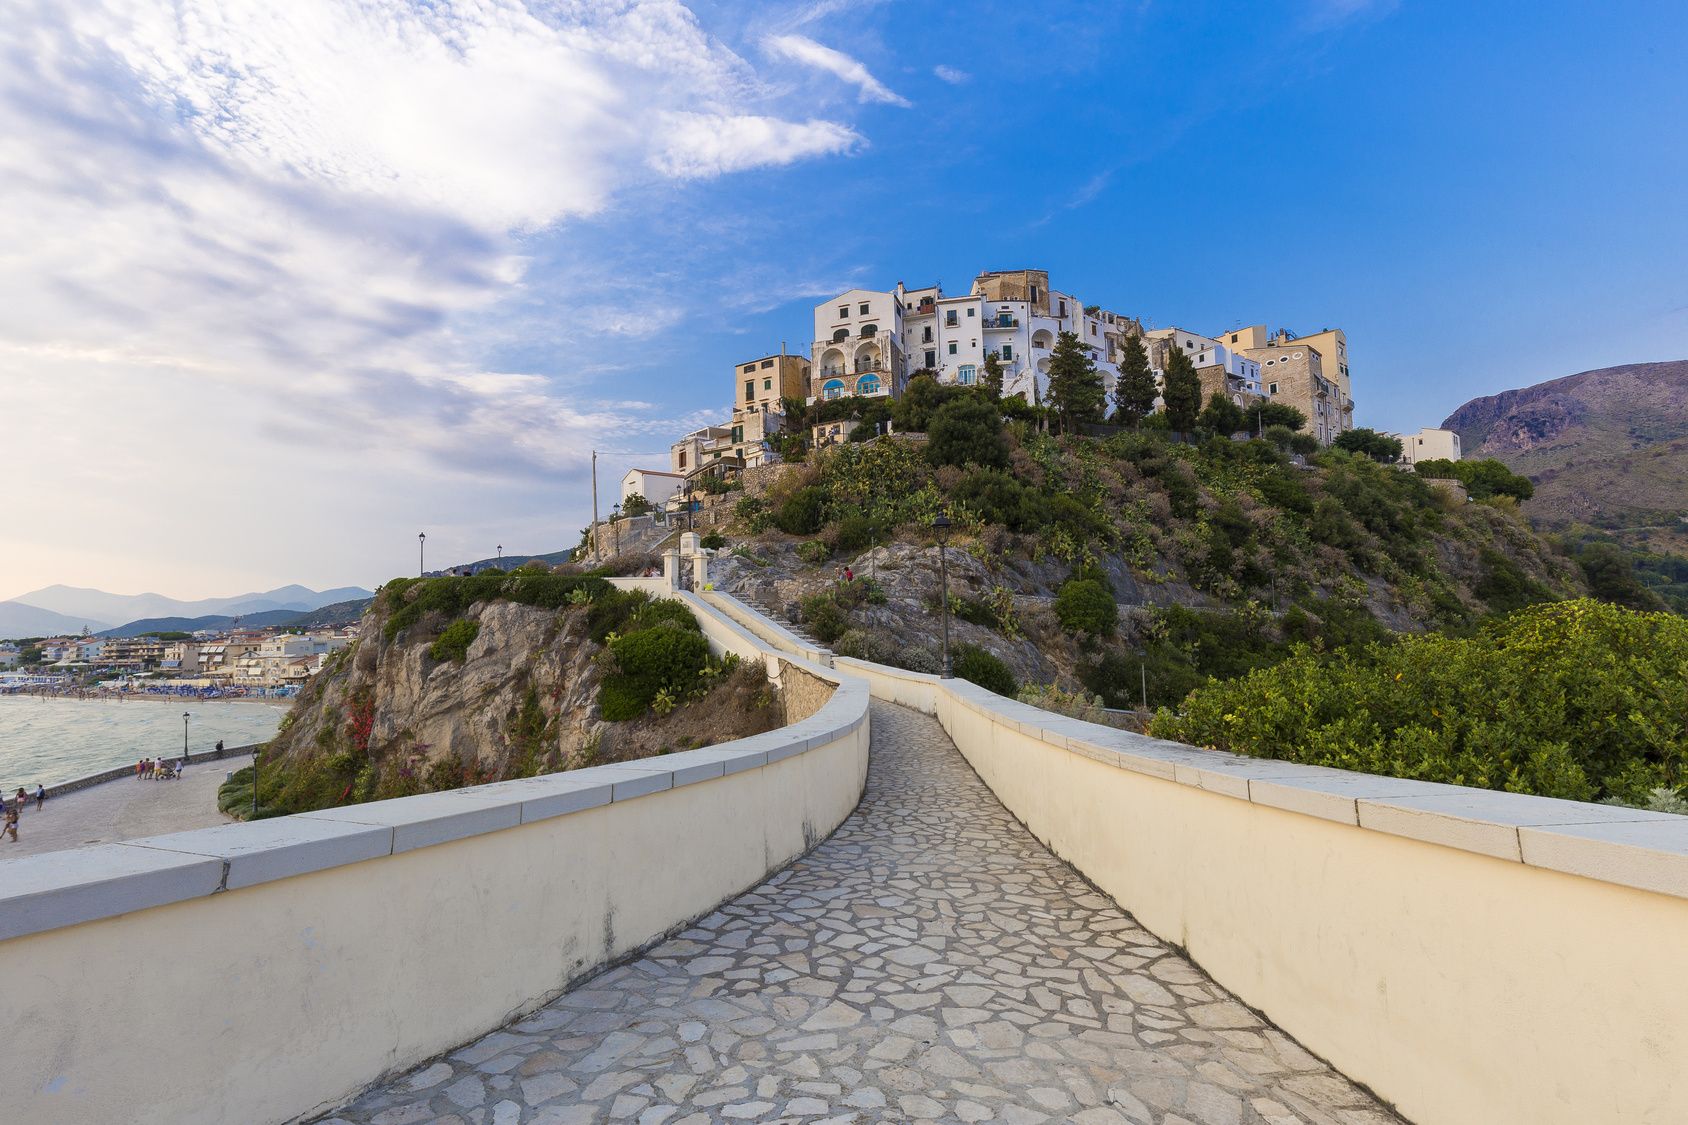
[{"x": 522, "y": 700}]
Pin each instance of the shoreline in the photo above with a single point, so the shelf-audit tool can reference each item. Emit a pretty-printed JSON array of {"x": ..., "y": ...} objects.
[{"x": 90, "y": 695}]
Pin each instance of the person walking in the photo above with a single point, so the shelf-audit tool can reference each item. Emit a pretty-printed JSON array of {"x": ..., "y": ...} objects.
[
  {"x": 40, "y": 796},
  {"x": 140, "y": 769},
  {"x": 10, "y": 828}
]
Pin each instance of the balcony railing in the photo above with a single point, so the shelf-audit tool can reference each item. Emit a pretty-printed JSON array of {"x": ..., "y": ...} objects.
[
  {"x": 1002, "y": 322},
  {"x": 865, "y": 366}
]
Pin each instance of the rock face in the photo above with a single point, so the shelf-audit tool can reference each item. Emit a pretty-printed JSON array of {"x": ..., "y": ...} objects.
[
  {"x": 1607, "y": 447},
  {"x": 523, "y": 700}
]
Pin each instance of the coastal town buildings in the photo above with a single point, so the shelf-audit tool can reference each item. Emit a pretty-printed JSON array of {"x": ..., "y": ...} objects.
[
  {"x": 656, "y": 485},
  {"x": 868, "y": 343}
]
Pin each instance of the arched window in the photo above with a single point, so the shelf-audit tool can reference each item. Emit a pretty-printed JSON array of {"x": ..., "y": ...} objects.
[
  {"x": 869, "y": 385},
  {"x": 840, "y": 335},
  {"x": 870, "y": 330},
  {"x": 832, "y": 388},
  {"x": 966, "y": 374}
]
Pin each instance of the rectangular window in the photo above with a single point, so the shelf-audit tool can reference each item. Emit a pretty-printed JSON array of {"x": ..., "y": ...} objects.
[
  {"x": 738, "y": 434},
  {"x": 843, "y": 312},
  {"x": 1007, "y": 352},
  {"x": 949, "y": 318},
  {"x": 926, "y": 335},
  {"x": 1063, "y": 311},
  {"x": 749, "y": 367},
  {"x": 1272, "y": 389},
  {"x": 970, "y": 312},
  {"x": 767, "y": 363},
  {"x": 864, "y": 308},
  {"x": 952, "y": 347},
  {"x": 683, "y": 460},
  {"x": 749, "y": 389},
  {"x": 931, "y": 358},
  {"x": 767, "y": 384}
]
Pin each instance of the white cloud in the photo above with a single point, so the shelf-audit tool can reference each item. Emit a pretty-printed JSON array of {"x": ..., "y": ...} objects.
[
  {"x": 270, "y": 238},
  {"x": 951, "y": 75},
  {"x": 802, "y": 49}
]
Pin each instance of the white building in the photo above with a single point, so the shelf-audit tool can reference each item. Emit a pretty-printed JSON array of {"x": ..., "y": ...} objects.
[
  {"x": 699, "y": 448},
  {"x": 867, "y": 342},
  {"x": 655, "y": 485},
  {"x": 1429, "y": 445},
  {"x": 1236, "y": 366}
]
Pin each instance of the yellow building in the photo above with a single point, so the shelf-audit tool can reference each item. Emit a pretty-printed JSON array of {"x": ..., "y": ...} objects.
[
  {"x": 1328, "y": 413},
  {"x": 760, "y": 388}
]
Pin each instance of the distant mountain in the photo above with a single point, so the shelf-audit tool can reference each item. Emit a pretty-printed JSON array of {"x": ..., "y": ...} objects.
[
  {"x": 210, "y": 621},
  {"x": 101, "y": 608},
  {"x": 19, "y": 620},
  {"x": 1605, "y": 448}
]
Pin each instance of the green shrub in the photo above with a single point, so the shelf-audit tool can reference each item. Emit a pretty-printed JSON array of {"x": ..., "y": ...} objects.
[
  {"x": 801, "y": 513},
  {"x": 826, "y": 620},
  {"x": 454, "y": 643},
  {"x": 714, "y": 541},
  {"x": 753, "y": 511},
  {"x": 1580, "y": 700},
  {"x": 967, "y": 430},
  {"x": 975, "y": 665},
  {"x": 1085, "y": 605},
  {"x": 813, "y": 552},
  {"x": 409, "y": 599},
  {"x": 995, "y": 497},
  {"x": 648, "y": 661},
  {"x": 857, "y": 533},
  {"x": 611, "y": 612},
  {"x": 1482, "y": 479}
]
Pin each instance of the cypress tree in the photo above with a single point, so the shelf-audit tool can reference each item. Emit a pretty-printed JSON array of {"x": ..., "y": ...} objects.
[
  {"x": 1183, "y": 390},
  {"x": 1134, "y": 393},
  {"x": 1076, "y": 391}
]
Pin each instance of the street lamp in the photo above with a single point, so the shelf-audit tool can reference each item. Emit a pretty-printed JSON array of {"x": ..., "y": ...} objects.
[
  {"x": 184, "y": 738},
  {"x": 421, "y": 541},
  {"x": 615, "y": 525},
  {"x": 501, "y": 555},
  {"x": 942, "y": 525},
  {"x": 255, "y": 753}
]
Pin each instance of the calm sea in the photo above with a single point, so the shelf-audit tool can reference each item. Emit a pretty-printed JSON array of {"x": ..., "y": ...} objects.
[{"x": 54, "y": 740}]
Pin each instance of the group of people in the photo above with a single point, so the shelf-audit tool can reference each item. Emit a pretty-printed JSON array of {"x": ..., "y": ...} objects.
[
  {"x": 150, "y": 769},
  {"x": 14, "y": 810}
]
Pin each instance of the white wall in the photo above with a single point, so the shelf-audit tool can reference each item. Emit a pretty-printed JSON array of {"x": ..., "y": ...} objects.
[
  {"x": 1473, "y": 957},
  {"x": 310, "y": 955}
]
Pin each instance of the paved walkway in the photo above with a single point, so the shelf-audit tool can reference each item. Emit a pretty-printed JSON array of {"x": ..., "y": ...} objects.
[
  {"x": 931, "y": 961},
  {"x": 123, "y": 810}
]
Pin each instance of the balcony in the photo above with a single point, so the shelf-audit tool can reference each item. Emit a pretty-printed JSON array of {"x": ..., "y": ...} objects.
[
  {"x": 1002, "y": 322},
  {"x": 864, "y": 366}
]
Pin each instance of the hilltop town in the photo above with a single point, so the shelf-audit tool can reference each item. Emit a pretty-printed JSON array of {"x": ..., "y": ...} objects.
[{"x": 872, "y": 345}]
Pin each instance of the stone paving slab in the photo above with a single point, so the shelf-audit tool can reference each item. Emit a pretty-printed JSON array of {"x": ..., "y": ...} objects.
[{"x": 931, "y": 961}]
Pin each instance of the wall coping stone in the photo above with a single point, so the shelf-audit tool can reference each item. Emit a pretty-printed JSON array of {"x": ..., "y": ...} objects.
[{"x": 66, "y": 888}]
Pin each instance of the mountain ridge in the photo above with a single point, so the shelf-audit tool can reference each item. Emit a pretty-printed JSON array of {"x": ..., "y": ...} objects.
[{"x": 100, "y": 609}]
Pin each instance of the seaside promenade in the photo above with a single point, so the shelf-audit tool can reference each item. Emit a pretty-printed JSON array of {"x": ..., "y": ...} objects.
[{"x": 125, "y": 809}]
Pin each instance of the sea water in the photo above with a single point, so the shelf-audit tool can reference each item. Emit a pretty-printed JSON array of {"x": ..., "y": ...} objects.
[{"x": 50, "y": 740}]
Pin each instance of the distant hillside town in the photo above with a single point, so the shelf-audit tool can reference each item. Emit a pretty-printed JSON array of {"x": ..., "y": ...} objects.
[
  {"x": 872, "y": 344},
  {"x": 224, "y": 662}
]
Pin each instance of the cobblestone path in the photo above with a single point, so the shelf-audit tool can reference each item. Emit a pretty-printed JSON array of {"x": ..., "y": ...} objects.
[{"x": 931, "y": 961}]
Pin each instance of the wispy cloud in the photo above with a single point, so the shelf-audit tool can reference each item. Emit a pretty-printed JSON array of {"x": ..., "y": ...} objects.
[
  {"x": 799, "y": 48},
  {"x": 304, "y": 226},
  {"x": 951, "y": 75}
]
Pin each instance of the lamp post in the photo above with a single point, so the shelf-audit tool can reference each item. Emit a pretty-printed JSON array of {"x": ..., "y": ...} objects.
[
  {"x": 615, "y": 525},
  {"x": 255, "y": 753},
  {"x": 501, "y": 555},
  {"x": 421, "y": 541},
  {"x": 942, "y": 525},
  {"x": 184, "y": 738}
]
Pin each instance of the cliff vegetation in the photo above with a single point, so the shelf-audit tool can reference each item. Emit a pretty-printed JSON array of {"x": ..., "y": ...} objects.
[{"x": 457, "y": 681}]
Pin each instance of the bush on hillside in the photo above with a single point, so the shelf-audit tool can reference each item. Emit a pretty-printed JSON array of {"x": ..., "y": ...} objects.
[
  {"x": 975, "y": 665},
  {"x": 1482, "y": 479},
  {"x": 801, "y": 513},
  {"x": 825, "y": 618},
  {"x": 967, "y": 431},
  {"x": 1579, "y": 700},
  {"x": 663, "y": 658},
  {"x": 453, "y": 644},
  {"x": 1085, "y": 605},
  {"x": 409, "y": 599}
]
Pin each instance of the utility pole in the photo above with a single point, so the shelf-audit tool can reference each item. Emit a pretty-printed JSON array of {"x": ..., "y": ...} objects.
[{"x": 597, "y": 556}]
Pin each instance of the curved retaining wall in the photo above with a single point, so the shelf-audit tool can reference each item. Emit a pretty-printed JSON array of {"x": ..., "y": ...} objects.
[
  {"x": 259, "y": 972},
  {"x": 1473, "y": 956}
]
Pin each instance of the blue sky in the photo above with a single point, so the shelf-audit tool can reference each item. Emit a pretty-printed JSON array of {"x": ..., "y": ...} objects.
[{"x": 294, "y": 282}]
